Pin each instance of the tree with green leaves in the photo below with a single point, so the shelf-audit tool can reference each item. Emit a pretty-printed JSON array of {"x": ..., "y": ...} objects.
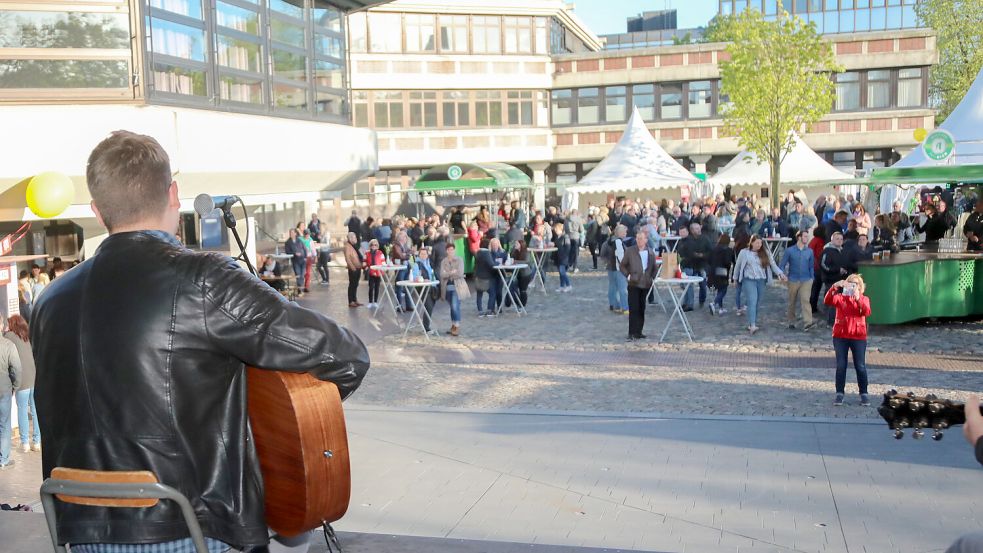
[
  {"x": 778, "y": 81},
  {"x": 958, "y": 25}
]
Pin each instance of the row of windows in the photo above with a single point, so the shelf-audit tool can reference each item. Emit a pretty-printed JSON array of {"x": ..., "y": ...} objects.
[
  {"x": 862, "y": 20},
  {"x": 855, "y": 90},
  {"x": 99, "y": 44},
  {"x": 280, "y": 56},
  {"x": 770, "y": 7},
  {"x": 398, "y": 109},
  {"x": 381, "y": 32}
]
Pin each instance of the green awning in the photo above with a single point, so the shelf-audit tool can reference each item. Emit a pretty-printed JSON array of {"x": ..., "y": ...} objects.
[
  {"x": 928, "y": 175},
  {"x": 472, "y": 176}
]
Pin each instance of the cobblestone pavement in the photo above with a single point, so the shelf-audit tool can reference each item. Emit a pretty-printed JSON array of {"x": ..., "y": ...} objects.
[{"x": 569, "y": 354}]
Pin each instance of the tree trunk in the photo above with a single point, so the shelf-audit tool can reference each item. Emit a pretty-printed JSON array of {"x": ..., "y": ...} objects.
[{"x": 776, "y": 177}]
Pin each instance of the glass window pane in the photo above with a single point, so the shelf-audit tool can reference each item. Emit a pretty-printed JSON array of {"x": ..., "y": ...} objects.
[
  {"x": 64, "y": 74},
  {"x": 454, "y": 33},
  {"x": 909, "y": 18},
  {"x": 64, "y": 30},
  {"x": 699, "y": 99},
  {"x": 420, "y": 33},
  {"x": 289, "y": 97},
  {"x": 327, "y": 16},
  {"x": 910, "y": 73},
  {"x": 174, "y": 39},
  {"x": 863, "y": 21},
  {"x": 293, "y": 8},
  {"x": 396, "y": 119},
  {"x": 463, "y": 115},
  {"x": 487, "y": 34},
  {"x": 328, "y": 46},
  {"x": 542, "y": 38},
  {"x": 287, "y": 33},
  {"x": 328, "y": 74},
  {"x": 878, "y": 18},
  {"x": 190, "y": 8},
  {"x": 562, "y": 101},
  {"x": 846, "y": 21},
  {"x": 831, "y": 22},
  {"x": 615, "y": 103},
  {"x": 588, "y": 106},
  {"x": 848, "y": 91},
  {"x": 643, "y": 97},
  {"x": 450, "y": 114},
  {"x": 672, "y": 101},
  {"x": 894, "y": 18},
  {"x": 771, "y": 7},
  {"x": 356, "y": 32},
  {"x": 328, "y": 103},
  {"x": 910, "y": 88},
  {"x": 385, "y": 32},
  {"x": 234, "y": 17},
  {"x": 239, "y": 54},
  {"x": 289, "y": 65},
  {"x": 234, "y": 88},
  {"x": 878, "y": 94},
  {"x": 179, "y": 80}
]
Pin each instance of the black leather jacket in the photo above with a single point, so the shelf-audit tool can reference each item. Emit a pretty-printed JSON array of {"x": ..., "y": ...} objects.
[{"x": 140, "y": 354}]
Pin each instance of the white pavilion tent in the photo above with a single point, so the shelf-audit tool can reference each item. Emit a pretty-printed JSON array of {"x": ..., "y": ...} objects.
[{"x": 636, "y": 163}]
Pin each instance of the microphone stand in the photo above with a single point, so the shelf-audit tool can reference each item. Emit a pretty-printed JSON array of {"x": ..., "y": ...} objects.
[{"x": 230, "y": 221}]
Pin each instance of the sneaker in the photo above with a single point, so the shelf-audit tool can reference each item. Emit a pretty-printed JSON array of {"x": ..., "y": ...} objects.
[
  {"x": 752, "y": 329},
  {"x": 453, "y": 330},
  {"x": 7, "y": 465},
  {"x": 864, "y": 400},
  {"x": 791, "y": 326},
  {"x": 687, "y": 308},
  {"x": 721, "y": 311},
  {"x": 838, "y": 400},
  {"x": 560, "y": 290},
  {"x": 713, "y": 309},
  {"x": 610, "y": 308},
  {"x": 25, "y": 448},
  {"x": 630, "y": 339},
  {"x": 482, "y": 314},
  {"x": 569, "y": 289},
  {"x": 36, "y": 447}
]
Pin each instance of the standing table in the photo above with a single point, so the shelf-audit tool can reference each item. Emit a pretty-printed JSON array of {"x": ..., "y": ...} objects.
[
  {"x": 538, "y": 255},
  {"x": 654, "y": 290},
  {"x": 513, "y": 270},
  {"x": 671, "y": 241},
  {"x": 670, "y": 284},
  {"x": 776, "y": 244},
  {"x": 387, "y": 289},
  {"x": 417, "y": 290}
]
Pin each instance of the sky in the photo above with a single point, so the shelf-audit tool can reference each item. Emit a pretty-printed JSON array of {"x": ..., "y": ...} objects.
[{"x": 606, "y": 17}]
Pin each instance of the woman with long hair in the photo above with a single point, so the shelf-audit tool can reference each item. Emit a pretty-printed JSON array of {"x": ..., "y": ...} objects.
[
  {"x": 754, "y": 269},
  {"x": 520, "y": 288},
  {"x": 850, "y": 332},
  {"x": 721, "y": 261},
  {"x": 862, "y": 218},
  {"x": 18, "y": 332}
]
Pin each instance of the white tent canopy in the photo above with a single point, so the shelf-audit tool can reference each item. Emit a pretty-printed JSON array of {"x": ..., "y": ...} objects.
[
  {"x": 966, "y": 125},
  {"x": 801, "y": 165},
  {"x": 636, "y": 163}
]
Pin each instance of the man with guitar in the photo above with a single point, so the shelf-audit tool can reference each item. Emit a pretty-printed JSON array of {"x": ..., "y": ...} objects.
[
  {"x": 973, "y": 431},
  {"x": 140, "y": 356}
]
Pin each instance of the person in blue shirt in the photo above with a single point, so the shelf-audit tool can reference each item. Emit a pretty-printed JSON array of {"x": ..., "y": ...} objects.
[
  {"x": 423, "y": 270},
  {"x": 775, "y": 224},
  {"x": 798, "y": 263}
]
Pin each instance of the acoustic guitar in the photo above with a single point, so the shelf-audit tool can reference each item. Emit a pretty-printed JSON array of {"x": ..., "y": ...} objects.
[
  {"x": 299, "y": 431},
  {"x": 902, "y": 411}
]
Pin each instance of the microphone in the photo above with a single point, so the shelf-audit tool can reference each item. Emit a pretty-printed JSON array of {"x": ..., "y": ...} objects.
[{"x": 205, "y": 204}]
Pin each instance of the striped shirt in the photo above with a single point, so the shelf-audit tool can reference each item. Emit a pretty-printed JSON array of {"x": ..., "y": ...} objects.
[{"x": 176, "y": 546}]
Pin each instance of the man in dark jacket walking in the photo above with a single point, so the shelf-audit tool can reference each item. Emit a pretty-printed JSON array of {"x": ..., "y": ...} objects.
[
  {"x": 177, "y": 335},
  {"x": 833, "y": 265},
  {"x": 639, "y": 265},
  {"x": 355, "y": 225},
  {"x": 694, "y": 250}
]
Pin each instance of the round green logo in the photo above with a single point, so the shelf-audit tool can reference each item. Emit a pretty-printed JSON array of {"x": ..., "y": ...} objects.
[
  {"x": 454, "y": 172},
  {"x": 939, "y": 145}
]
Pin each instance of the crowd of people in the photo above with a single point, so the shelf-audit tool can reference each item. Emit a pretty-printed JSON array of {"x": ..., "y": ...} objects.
[{"x": 17, "y": 386}]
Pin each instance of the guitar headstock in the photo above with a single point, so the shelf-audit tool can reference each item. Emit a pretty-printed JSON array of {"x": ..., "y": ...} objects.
[{"x": 919, "y": 412}]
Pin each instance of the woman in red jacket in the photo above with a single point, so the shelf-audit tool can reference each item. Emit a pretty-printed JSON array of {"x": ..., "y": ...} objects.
[{"x": 850, "y": 332}]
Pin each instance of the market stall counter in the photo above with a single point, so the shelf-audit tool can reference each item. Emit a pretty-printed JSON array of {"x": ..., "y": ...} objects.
[{"x": 915, "y": 285}]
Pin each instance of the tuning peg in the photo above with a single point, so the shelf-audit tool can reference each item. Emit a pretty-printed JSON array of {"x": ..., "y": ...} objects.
[
  {"x": 898, "y": 434},
  {"x": 891, "y": 392},
  {"x": 915, "y": 405},
  {"x": 910, "y": 394},
  {"x": 896, "y": 402},
  {"x": 934, "y": 408},
  {"x": 918, "y": 434},
  {"x": 937, "y": 435},
  {"x": 932, "y": 397}
]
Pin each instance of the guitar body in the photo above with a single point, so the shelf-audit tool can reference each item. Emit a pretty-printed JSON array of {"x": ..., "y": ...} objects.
[{"x": 299, "y": 430}]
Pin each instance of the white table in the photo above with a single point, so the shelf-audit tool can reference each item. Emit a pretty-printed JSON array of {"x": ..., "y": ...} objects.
[
  {"x": 538, "y": 255},
  {"x": 513, "y": 271},
  {"x": 671, "y": 241},
  {"x": 417, "y": 292},
  {"x": 654, "y": 290},
  {"x": 387, "y": 289},
  {"x": 776, "y": 244},
  {"x": 671, "y": 286}
]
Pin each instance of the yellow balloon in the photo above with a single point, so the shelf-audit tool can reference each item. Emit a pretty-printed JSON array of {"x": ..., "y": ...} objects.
[
  {"x": 49, "y": 194},
  {"x": 920, "y": 134}
]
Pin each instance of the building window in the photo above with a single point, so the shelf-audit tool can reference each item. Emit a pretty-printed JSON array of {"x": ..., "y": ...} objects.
[
  {"x": 562, "y": 102},
  {"x": 700, "y": 99},
  {"x": 518, "y": 35},
  {"x": 558, "y": 43},
  {"x": 77, "y": 74},
  {"x": 188, "y": 8},
  {"x": 420, "y": 33},
  {"x": 357, "y": 33},
  {"x": 385, "y": 32},
  {"x": 388, "y": 109},
  {"x": 360, "y": 109},
  {"x": 542, "y": 35},
  {"x": 487, "y": 34},
  {"x": 643, "y": 97},
  {"x": 456, "y": 108},
  {"x": 588, "y": 106},
  {"x": 488, "y": 108},
  {"x": 520, "y": 108},
  {"x": 453, "y": 34},
  {"x": 910, "y": 85},
  {"x": 615, "y": 103},
  {"x": 848, "y": 91},
  {"x": 671, "y": 101},
  {"x": 878, "y": 89},
  {"x": 423, "y": 109}
]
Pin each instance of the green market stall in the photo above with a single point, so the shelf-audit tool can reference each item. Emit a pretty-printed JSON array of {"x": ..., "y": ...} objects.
[
  {"x": 915, "y": 285},
  {"x": 472, "y": 184}
]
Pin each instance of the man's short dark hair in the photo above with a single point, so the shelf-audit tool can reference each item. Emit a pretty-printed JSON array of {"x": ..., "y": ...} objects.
[{"x": 128, "y": 175}]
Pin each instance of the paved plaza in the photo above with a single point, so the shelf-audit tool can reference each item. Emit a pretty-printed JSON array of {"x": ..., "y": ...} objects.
[{"x": 551, "y": 430}]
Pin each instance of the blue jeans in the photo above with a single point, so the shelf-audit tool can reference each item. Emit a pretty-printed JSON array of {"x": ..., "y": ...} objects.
[
  {"x": 5, "y": 429},
  {"x": 754, "y": 288},
  {"x": 688, "y": 298},
  {"x": 492, "y": 298},
  {"x": 299, "y": 265},
  {"x": 455, "y": 302},
  {"x": 564, "y": 279},
  {"x": 402, "y": 297},
  {"x": 721, "y": 293},
  {"x": 842, "y": 346},
  {"x": 25, "y": 397},
  {"x": 617, "y": 290}
]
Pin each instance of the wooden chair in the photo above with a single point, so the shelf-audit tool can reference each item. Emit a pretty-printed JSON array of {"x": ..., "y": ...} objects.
[{"x": 123, "y": 489}]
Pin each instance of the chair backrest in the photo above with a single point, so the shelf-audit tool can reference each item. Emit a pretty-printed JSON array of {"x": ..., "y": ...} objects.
[{"x": 105, "y": 477}]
